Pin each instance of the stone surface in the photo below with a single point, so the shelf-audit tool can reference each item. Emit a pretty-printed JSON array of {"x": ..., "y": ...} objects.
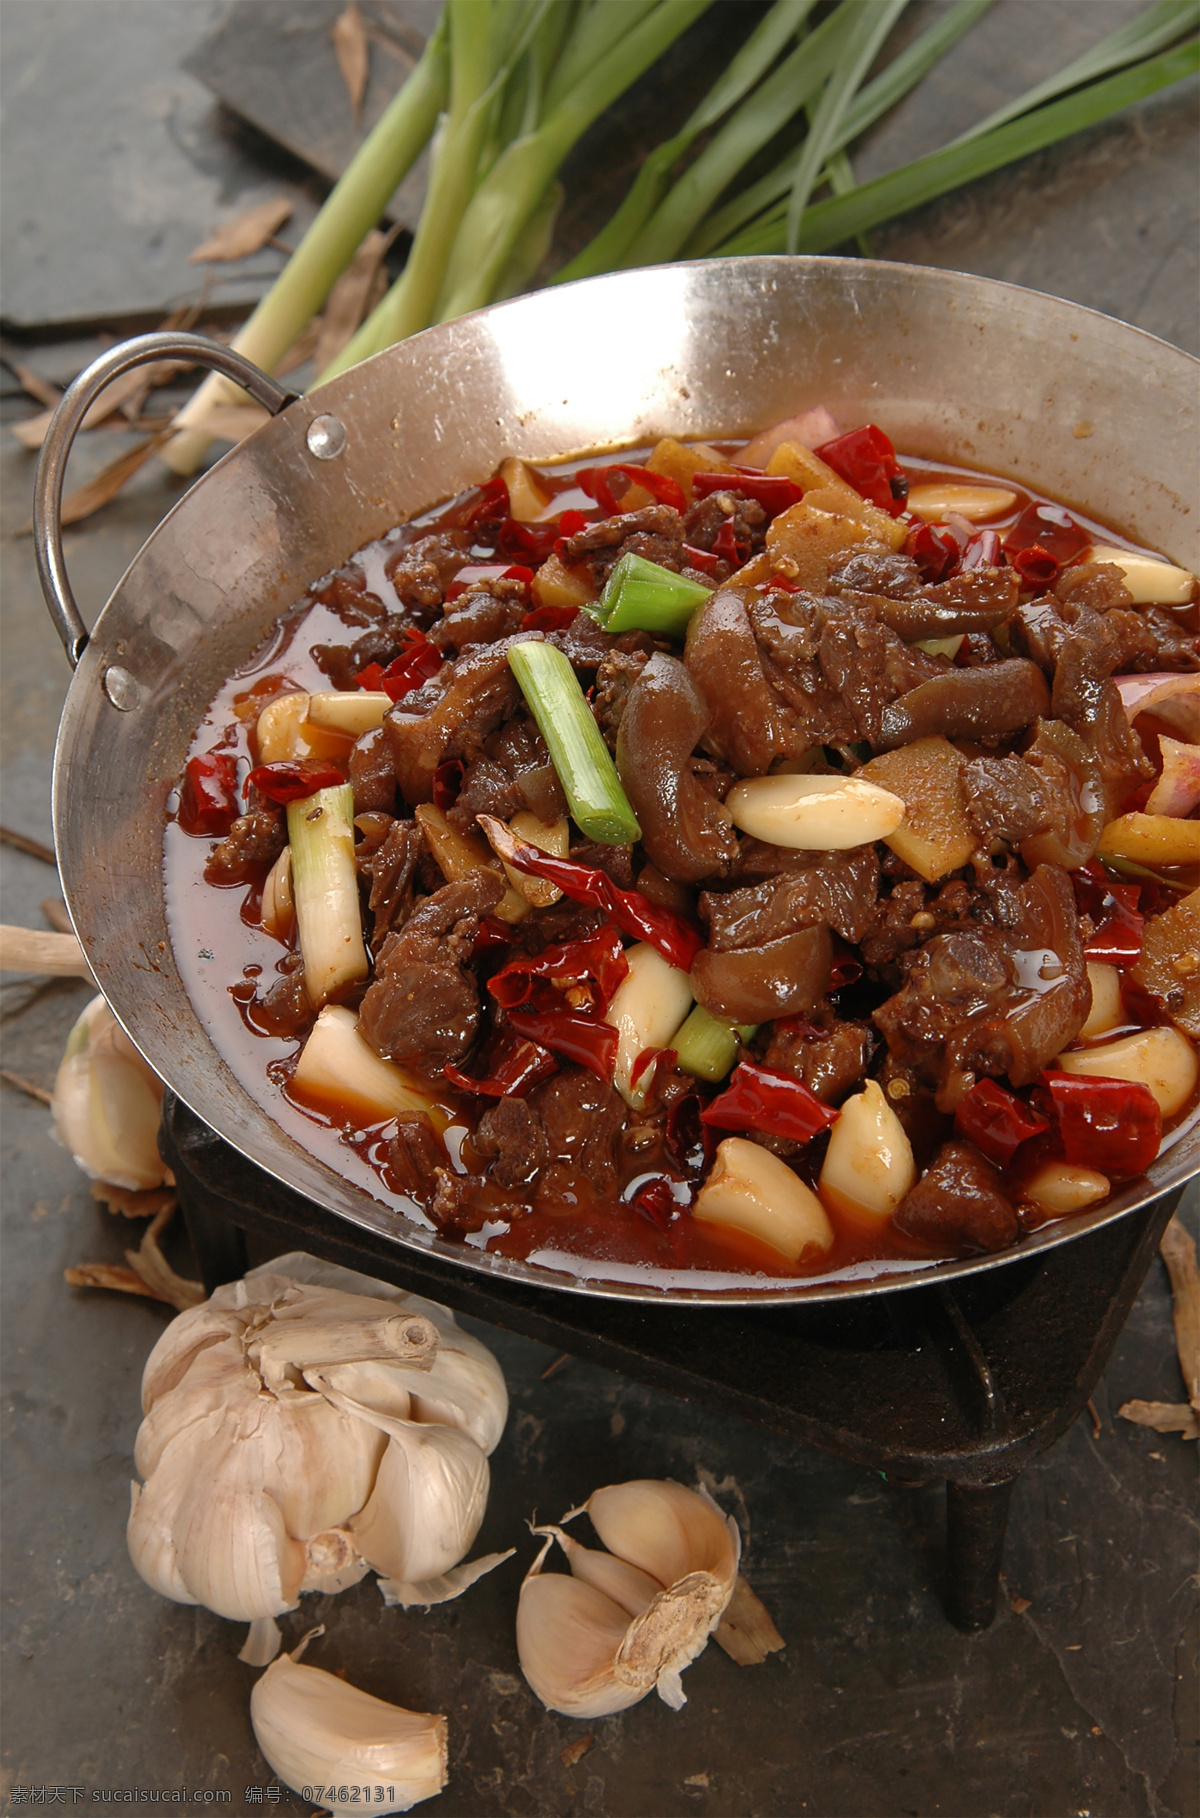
[{"x": 1083, "y": 1704}]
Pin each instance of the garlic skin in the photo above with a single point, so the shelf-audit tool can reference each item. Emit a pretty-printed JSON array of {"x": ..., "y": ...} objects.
[
  {"x": 300, "y": 1432},
  {"x": 629, "y": 1620},
  {"x": 316, "y": 1731},
  {"x": 106, "y": 1104}
]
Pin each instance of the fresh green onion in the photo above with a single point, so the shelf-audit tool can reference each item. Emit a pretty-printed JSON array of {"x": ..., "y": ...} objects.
[
  {"x": 706, "y": 1047},
  {"x": 827, "y": 224},
  {"x": 599, "y": 805},
  {"x": 642, "y": 596},
  {"x": 325, "y": 890},
  {"x": 353, "y": 207}
]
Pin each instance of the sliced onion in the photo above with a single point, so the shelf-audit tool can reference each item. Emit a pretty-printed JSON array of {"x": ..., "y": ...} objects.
[
  {"x": 1174, "y": 698},
  {"x": 1177, "y": 790}
]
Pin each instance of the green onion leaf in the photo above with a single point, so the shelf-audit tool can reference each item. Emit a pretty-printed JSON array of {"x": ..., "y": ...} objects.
[
  {"x": 706, "y": 1047},
  {"x": 598, "y": 804},
  {"x": 642, "y": 596}
]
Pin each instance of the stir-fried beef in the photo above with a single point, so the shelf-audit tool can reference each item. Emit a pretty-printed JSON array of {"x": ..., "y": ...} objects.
[
  {"x": 421, "y": 571},
  {"x": 891, "y": 587},
  {"x": 838, "y": 889},
  {"x": 284, "y": 1008},
  {"x": 1005, "y": 799},
  {"x": 424, "y": 1002},
  {"x": 616, "y": 862},
  {"x": 915, "y": 911},
  {"x": 481, "y": 617},
  {"x": 754, "y": 722},
  {"x": 655, "y": 533},
  {"x": 384, "y": 641},
  {"x": 487, "y": 788},
  {"x": 830, "y": 1059},
  {"x": 993, "y": 1001},
  {"x": 390, "y": 864},
  {"x": 346, "y": 594},
  {"x": 876, "y": 570},
  {"x": 615, "y": 677},
  {"x": 582, "y": 1118},
  {"x": 686, "y": 832},
  {"x": 780, "y": 977},
  {"x": 425, "y": 728},
  {"x": 1100, "y": 585},
  {"x": 373, "y": 775},
  {"x": 249, "y": 849},
  {"x": 414, "y": 1155},
  {"x": 511, "y": 1136},
  {"x": 584, "y": 642},
  {"x": 704, "y": 522},
  {"x": 462, "y": 1203},
  {"x": 988, "y": 703},
  {"x": 960, "y": 1204}
]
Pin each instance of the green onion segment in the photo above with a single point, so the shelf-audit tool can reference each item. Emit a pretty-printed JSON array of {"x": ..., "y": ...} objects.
[
  {"x": 706, "y": 1047},
  {"x": 325, "y": 889},
  {"x": 598, "y": 804},
  {"x": 642, "y": 596}
]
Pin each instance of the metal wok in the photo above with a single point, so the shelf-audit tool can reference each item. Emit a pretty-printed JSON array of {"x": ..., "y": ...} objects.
[{"x": 956, "y": 368}]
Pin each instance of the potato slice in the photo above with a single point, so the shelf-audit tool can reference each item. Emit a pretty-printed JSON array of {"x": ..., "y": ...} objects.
[
  {"x": 555, "y": 584},
  {"x": 749, "y": 1189},
  {"x": 1151, "y": 839},
  {"x": 527, "y": 496},
  {"x": 935, "y": 836},
  {"x": 892, "y": 532},
  {"x": 815, "y": 541},
  {"x": 792, "y": 462},
  {"x": 681, "y": 462}
]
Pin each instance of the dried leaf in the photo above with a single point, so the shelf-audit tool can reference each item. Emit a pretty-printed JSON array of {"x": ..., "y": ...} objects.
[
  {"x": 1179, "y": 1253},
  {"x": 575, "y": 1751},
  {"x": 746, "y": 1631},
  {"x": 34, "y": 384},
  {"x": 108, "y": 1275},
  {"x": 245, "y": 234},
  {"x": 32, "y": 432},
  {"x": 1163, "y": 1416},
  {"x": 1019, "y": 1605},
  {"x": 353, "y": 54},
  {"x": 25, "y": 1085},
  {"x": 131, "y": 1202},
  {"x": 108, "y": 482},
  {"x": 148, "y": 1262},
  {"x": 302, "y": 349},
  {"x": 350, "y": 300},
  {"x": 55, "y": 912},
  {"x": 10, "y": 837}
]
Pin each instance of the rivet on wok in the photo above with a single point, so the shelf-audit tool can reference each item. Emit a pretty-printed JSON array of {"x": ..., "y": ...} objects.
[
  {"x": 121, "y": 688},
  {"x": 326, "y": 438}
]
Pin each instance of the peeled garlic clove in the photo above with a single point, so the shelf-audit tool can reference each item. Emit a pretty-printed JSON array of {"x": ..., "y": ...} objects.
[
  {"x": 106, "y": 1104},
  {"x": 581, "y": 1650},
  {"x": 647, "y": 1007},
  {"x": 277, "y": 732},
  {"x": 1107, "y": 1011},
  {"x": 1150, "y": 581},
  {"x": 749, "y": 1189},
  {"x": 316, "y": 1731},
  {"x": 868, "y": 1166},
  {"x": 1161, "y": 1059},
  {"x": 1060, "y": 1187},
  {"x": 821, "y": 813},
  {"x": 278, "y": 912},
  {"x": 975, "y": 503}
]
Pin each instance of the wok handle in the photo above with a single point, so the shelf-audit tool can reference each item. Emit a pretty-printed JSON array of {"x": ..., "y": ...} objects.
[{"x": 142, "y": 350}]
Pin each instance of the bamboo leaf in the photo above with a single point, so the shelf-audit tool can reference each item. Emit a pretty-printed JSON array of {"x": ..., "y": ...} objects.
[{"x": 247, "y": 233}]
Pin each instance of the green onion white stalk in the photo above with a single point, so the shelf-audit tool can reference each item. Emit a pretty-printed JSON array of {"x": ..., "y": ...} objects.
[
  {"x": 352, "y": 208},
  {"x": 643, "y": 596},
  {"x": 706, "y": 1047},
  {"x": 598, "y": 804},
  {"x": 325, "y": 891}
]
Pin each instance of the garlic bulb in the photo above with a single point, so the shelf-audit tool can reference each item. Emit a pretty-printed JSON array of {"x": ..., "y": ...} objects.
[
  {"x": 106, "y": 1104},
  {"x": 331, "y": 1742},
  {"x": 302, "y": 1427},
  {"x": 631, "y": 1619}
]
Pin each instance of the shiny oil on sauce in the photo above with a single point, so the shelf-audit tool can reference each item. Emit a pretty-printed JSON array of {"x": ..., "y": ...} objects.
[{"x": 221, "y": 951}]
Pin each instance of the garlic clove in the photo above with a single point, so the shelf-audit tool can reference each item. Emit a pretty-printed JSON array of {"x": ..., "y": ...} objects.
[
  {"x": 316, "y": 1730},
  {"x": 1149, "y": 580},
  {"x": 975, "y": 503},
  {"x": 631, "y": 1589},
  {"x": 821, "y": 813},
  {"x": 646, "y": 1009},
  {"x": 665, "y": 1530},
  {"x": 106, "y": 1104},
  {"x": 151, "y": 1545},
  {"x": 868, "y": 1166},
  {"x": 749, "y": 1189},
  {"x": 568, "y": 1638}
]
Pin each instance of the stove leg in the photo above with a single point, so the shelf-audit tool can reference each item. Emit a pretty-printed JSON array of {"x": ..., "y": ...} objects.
[
  {"x": 220, "y": 1245},
  {"x": 976, "y": 1518}
]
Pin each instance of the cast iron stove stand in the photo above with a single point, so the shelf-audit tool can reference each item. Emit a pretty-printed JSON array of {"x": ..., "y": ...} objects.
[{"x": 966, "y": 1383}]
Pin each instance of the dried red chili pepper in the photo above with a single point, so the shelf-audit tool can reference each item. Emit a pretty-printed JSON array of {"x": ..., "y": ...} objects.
[
  {"x": 1114, "y": 1125},
  {"x": 493, "y": 933},
  {"x": 934, "y": 551},
  {"x": 533, "y": 540},
  {"x": 1114, "y": 907},
  {"x": 600, "y": 957},
  {"x": 983, "y": 551},
  {"x": 703, "y": 560},
  {"x": 490, "y": 505},
  {"x": 773, "y": 493},
  {"x": 208, "y": 800},
  {"x": 417, "y": 663},
  {"x": 595, "y": 482},
  {"x": 549, "y": 618},
  {"x": 447, "y": 781},
  {"x": 513, "y": 1065},
  {"x": 1041, "y": 542},
  {"x": 760, "y": 1098},
  {"x": 997, "y": 1121},
  {"x": 866, "y": 459},
  {"x": 725, "y": 545},
  {"x": 291, "y": 779},
  {"x": 845, "y": 969},
  {"x": 633, "y": 913},
  {"x": 485, "y": 571},
  {"x": 655, "y": 1201},
  {"x": 569, "y": 525},
  {"x": 583, "y": 1039},
  {"x": 649, "y": 1061}
]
